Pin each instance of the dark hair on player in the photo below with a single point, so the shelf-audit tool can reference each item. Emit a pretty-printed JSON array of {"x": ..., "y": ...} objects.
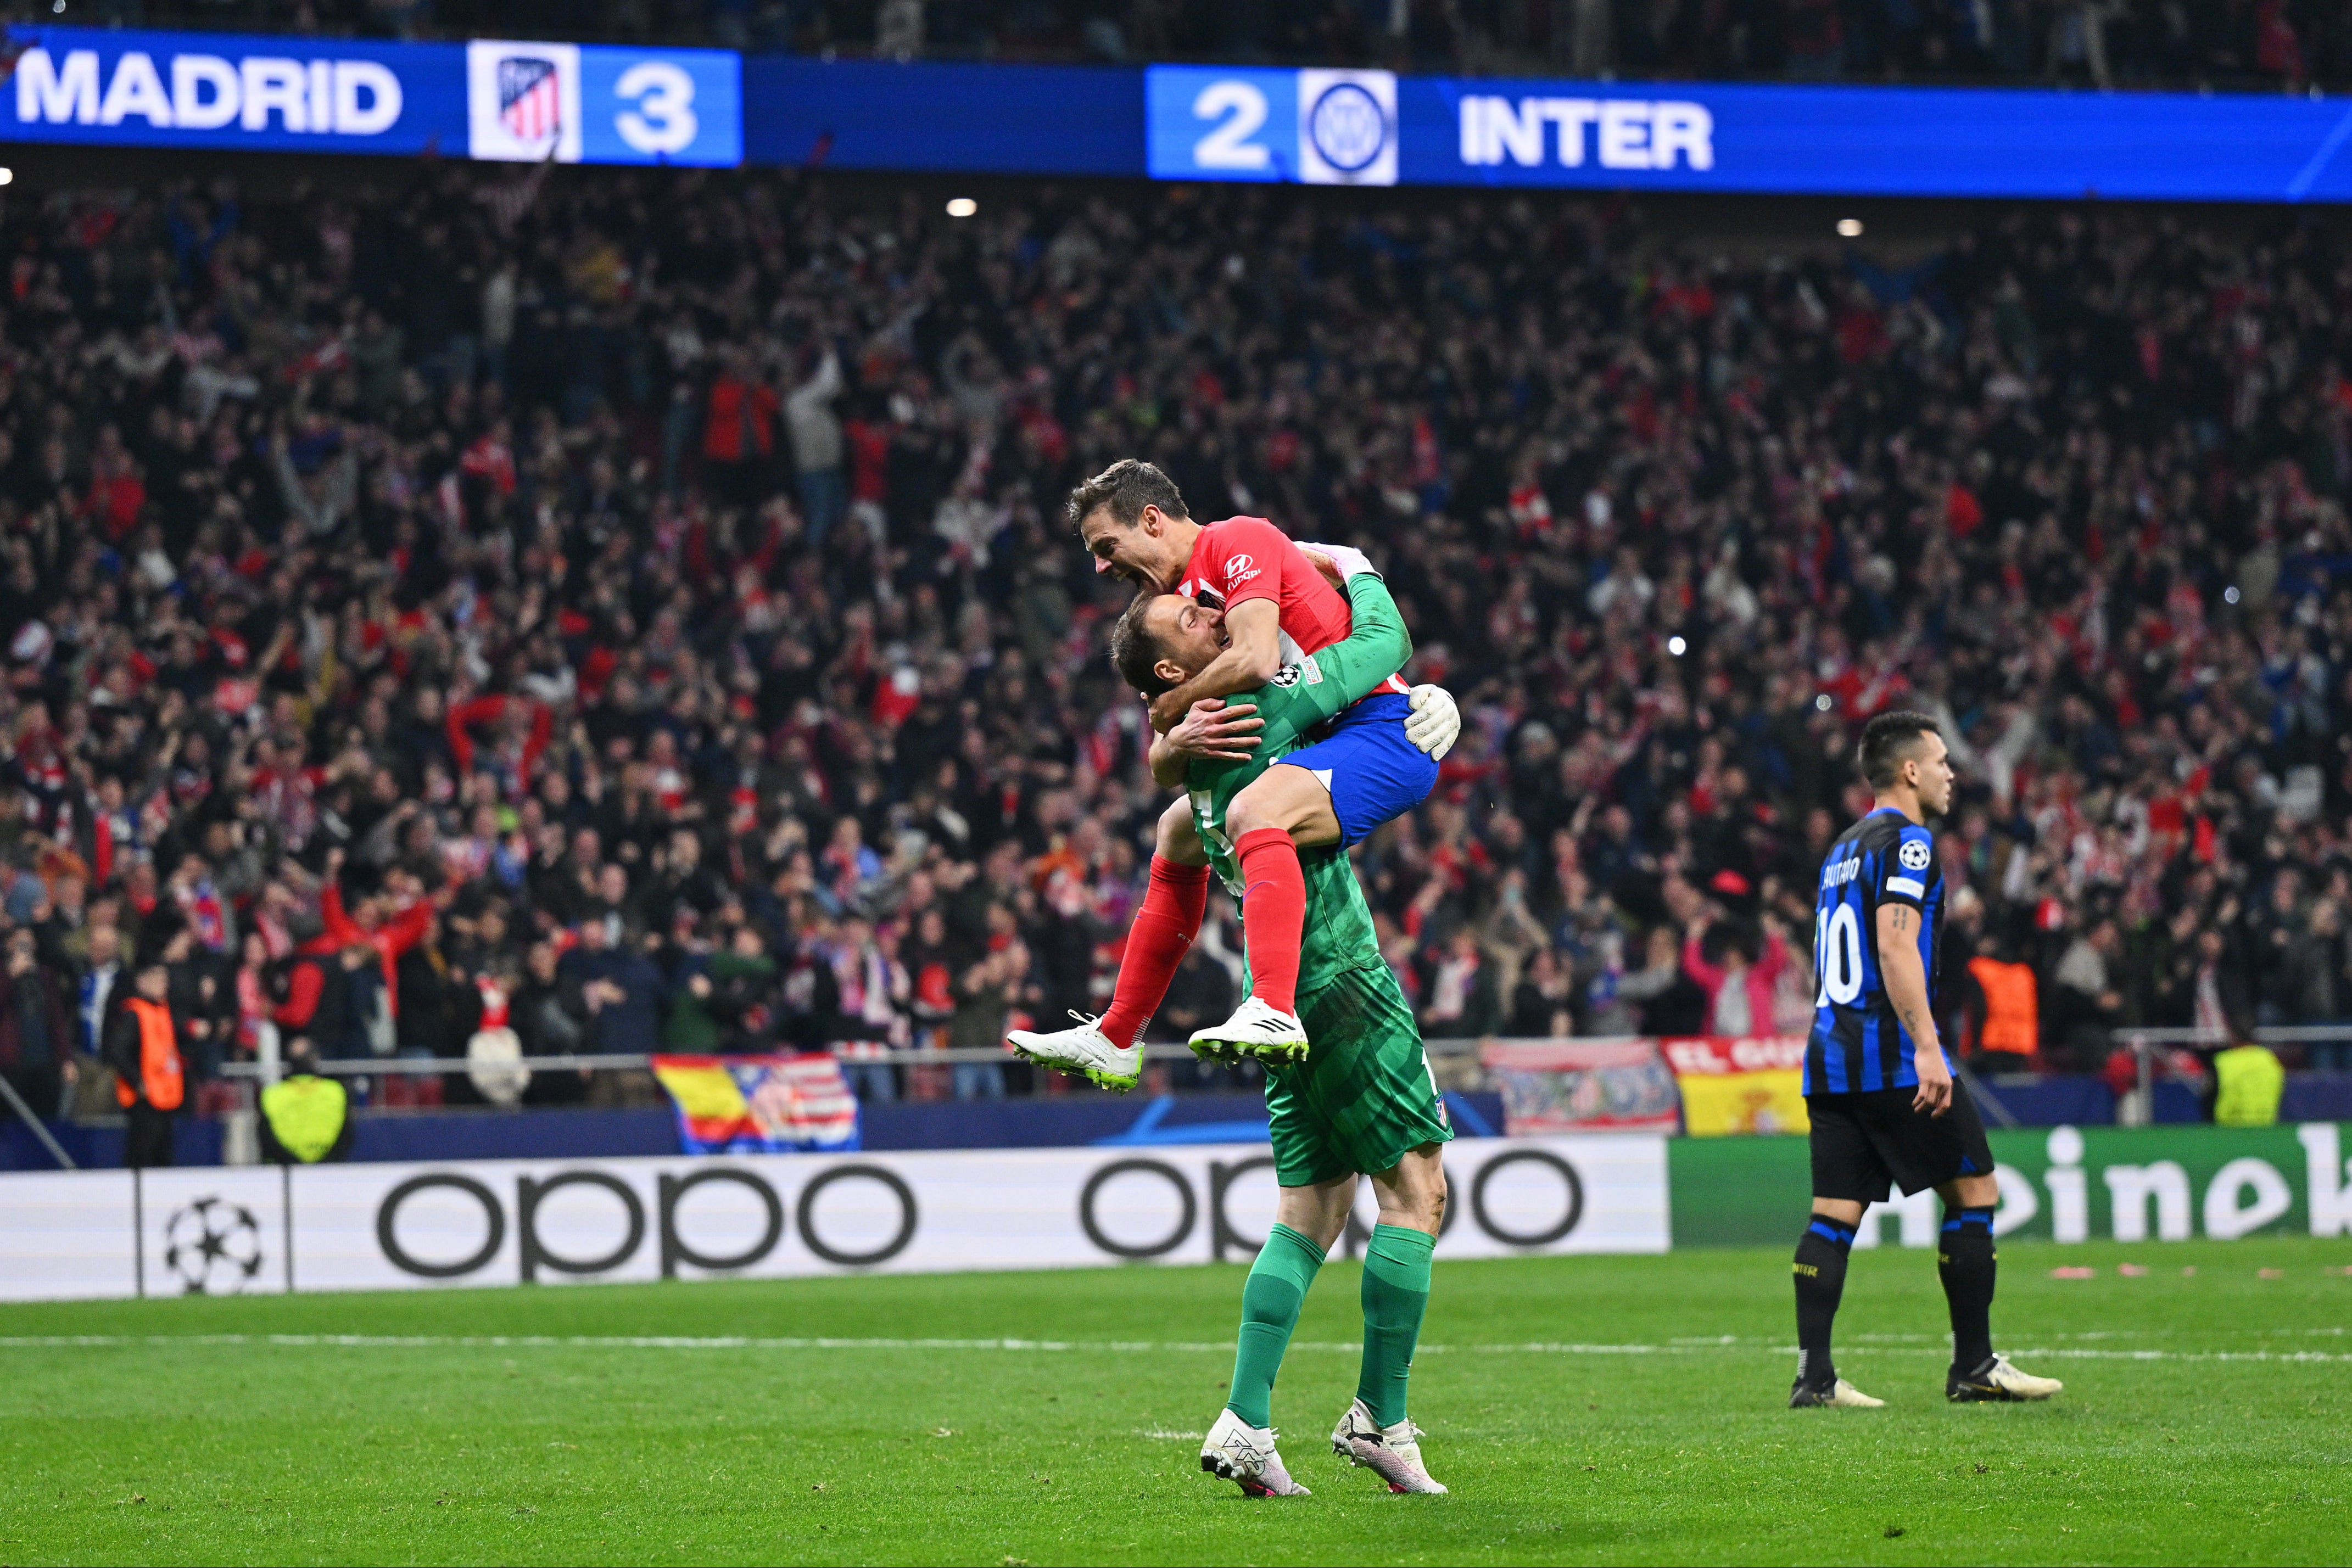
[
  {"x": 1135, "y": 652},
  {"x": 1886, "y": 743},
  {"x": 1127, "y": 486}
]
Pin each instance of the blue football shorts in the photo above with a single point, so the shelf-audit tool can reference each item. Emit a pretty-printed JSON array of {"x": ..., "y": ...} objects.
[{"x": 1373, "y": 772}]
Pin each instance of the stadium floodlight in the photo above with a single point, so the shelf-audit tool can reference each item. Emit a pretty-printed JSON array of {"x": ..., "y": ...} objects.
[
  {"x": 963, "y": 207},
  {"x": 1849, "y": 228}
]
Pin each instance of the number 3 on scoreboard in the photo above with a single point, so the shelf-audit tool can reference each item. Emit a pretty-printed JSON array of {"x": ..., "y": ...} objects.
[{"x": 662, "y": 122}]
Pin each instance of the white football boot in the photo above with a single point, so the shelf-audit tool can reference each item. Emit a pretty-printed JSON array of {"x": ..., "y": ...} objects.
[
  {"x": 1254, "y": 1029},
  {"x": 1245, "y": 1455},
  {"x": 1393, "y": 1453},
  {"x": 1997, "y": 1380},
  {"x": 1083, "y": 1051},
  {"x": 1842, "y": 1395}
]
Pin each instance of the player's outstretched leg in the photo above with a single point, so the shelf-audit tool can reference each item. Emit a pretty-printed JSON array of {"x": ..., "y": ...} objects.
[
  {"x": 1965, "y": 1262},
  {"x": 1820, "y": 1272},
  {"x": 1241, "y": 1446},
  {"x": 1104, "y": 1051},
  {"x": 1274, "y": 914}
]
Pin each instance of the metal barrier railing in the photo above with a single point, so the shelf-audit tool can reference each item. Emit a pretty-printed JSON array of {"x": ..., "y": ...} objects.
[{"x": 2144, "y": 1043}]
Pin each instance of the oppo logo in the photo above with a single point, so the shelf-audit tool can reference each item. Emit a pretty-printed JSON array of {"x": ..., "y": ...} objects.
[
  {"x": 1191, "y": 1205},
  {"x": 595, "y": 1250}
]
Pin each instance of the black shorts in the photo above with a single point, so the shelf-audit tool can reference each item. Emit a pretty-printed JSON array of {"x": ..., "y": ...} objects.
[{"x": 1865, "y": 1143}]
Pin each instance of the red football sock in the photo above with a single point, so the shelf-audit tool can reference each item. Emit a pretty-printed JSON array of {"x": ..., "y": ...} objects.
[
  {"x": 1173, "y": 903},
  {"x": 1274, "y": 914}
]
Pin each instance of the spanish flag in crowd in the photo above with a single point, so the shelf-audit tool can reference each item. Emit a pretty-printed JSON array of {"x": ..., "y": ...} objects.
[{"x": 759, "y": 1104}]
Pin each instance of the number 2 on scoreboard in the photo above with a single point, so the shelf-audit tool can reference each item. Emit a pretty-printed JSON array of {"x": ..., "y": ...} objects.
[{"x": 1229, "y": 145}]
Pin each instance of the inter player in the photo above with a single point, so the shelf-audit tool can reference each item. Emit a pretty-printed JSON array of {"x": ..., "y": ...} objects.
[
  {"x": 1363, "y": 1101},
  {"x": 1885, "y": 1111},
  {"x": 1378, "y": 760}
]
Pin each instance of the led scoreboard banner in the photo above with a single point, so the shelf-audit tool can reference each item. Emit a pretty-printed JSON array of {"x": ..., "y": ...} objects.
[
  {"x": 514, "y": 103},
  {"x": 596, "y": 104},
  {"x": 1317, "y": 128}
]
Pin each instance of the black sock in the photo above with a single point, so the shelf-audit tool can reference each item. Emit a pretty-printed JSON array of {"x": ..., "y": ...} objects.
[
  {"x": 1964, "y": 1261},
  {"x": 1819, "y": 1271}
]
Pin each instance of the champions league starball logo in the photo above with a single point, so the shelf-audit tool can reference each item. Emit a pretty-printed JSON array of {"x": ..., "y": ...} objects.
[{"x": 212, "y": 1247}]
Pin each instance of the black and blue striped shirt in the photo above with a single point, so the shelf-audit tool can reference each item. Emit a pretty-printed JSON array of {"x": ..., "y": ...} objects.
[{"x": 1857, "y": 1043}]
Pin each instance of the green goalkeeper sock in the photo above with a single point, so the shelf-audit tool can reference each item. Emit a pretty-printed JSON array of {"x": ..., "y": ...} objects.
[
  {"x": 1275, "y": 1289},
  {"x": 1396, "y": 1292}
]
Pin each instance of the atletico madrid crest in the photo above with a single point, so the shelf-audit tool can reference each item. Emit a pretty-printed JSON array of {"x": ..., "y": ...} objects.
[{"x": 531, "y": 98}]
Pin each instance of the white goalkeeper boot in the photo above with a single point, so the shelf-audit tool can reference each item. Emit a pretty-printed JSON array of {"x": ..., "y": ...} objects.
[
  {"x": 1254, "y": 1029},
  {"x": 1245, "y": 1455},
  {"x": 1085, "y": 1051},
  {"x": 1392, "y": 1453}
]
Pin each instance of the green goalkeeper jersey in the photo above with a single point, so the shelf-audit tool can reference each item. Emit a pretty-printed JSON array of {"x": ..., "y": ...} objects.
[{"x": 1338, "y": 935}]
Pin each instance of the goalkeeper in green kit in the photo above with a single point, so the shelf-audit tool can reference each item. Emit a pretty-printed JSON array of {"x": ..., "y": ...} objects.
[{"x": 1362, "y": 1100}]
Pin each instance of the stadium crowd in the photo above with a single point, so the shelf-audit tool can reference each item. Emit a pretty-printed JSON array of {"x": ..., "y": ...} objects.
[
  {"x": 2243, "y": 45},
  {"x": 636, "y": 609}
]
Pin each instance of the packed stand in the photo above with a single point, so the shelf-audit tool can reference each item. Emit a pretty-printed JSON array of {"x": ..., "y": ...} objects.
[
  {"x": 636, "y": 610},
  {"x": 2228, "y": 46}
]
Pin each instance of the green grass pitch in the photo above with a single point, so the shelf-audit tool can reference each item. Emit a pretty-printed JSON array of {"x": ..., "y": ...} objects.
[{"x": 2207, "y": 1419}]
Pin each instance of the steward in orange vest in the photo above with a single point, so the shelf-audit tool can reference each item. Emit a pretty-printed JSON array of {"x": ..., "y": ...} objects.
[
  {"x": 2012, "y": 1020},
  {"x": 143, "y": 1045}
]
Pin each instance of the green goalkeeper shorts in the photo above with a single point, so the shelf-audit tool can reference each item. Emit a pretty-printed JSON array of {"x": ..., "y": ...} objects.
[{"x": 1364, "y": 1098}]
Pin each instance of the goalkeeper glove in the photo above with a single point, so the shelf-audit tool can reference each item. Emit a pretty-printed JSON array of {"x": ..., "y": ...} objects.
[{"x": 1435, "y": 722}]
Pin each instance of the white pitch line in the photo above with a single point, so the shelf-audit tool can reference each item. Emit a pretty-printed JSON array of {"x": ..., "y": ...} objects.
[{"x": 745, "y": 1342}]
